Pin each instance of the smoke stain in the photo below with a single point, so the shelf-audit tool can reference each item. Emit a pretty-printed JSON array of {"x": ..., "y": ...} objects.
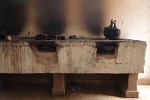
[
  {"x": 92, "y": 14},
  {"x": 12, "y": 16},
  {"x": 51, "y": 16}
]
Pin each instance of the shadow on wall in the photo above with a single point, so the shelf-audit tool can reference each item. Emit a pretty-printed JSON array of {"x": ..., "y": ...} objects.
[
  {"x": 93, "y": 15},
  {"x": 12, "y": 16},
  {"x": 51, "y": 16}
]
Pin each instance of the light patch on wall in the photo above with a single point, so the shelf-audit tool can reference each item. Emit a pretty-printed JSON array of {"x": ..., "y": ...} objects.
[{"x": 133, "y": 18}]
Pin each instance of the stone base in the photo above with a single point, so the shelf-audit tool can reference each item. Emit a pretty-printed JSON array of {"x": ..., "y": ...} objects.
[
  {"x": 131, "y": 94},
  {"x": 58, "y": 92}
]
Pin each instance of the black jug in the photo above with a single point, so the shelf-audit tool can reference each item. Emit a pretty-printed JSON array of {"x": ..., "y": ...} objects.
[{"x": 112, "y": 32}]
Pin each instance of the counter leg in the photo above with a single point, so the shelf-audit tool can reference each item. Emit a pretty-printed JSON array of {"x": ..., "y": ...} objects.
[
  {"x": 128, "y": 84},
  {"x": 58, "y": 85}
]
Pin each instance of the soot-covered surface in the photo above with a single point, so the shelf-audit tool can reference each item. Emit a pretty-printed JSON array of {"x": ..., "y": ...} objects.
[{"x": 12, "y": 16}]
